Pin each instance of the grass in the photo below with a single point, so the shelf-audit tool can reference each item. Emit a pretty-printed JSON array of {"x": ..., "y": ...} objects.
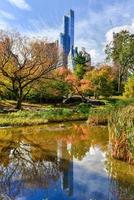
[
  {"x": 36, "y": 114},
  {"x": 118, "y": 114},
  {"x": 9, "y": 105},
  {"x": 118, "y": 101},
  {"x": 121, "y": 133},
  {"x": 100, "y": 115},
  {"x": 38, "y": 117}
]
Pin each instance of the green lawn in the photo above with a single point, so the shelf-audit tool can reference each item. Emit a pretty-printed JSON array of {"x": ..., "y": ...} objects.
[
  {"x": 42, "y": 115},
  {"x": 36, "y": 114}
]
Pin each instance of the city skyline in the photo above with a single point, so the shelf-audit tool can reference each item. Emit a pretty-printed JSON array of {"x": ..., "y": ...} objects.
[{"x": 95, "y": 21}]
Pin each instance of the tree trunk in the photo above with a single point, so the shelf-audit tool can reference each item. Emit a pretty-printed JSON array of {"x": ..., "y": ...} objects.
[
  {"x": 119, "y": 84},
  {"x": 119, "y": 81},
  {"x": 19, "y": 104},
  {"x": 19, "y": 97}
]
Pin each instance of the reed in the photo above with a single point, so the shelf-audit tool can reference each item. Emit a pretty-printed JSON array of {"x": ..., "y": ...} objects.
[
  {"x": 99, "y": 116},
  {"x": 121, "y": 133}
]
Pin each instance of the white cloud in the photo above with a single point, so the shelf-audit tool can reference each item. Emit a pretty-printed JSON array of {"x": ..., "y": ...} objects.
[
  {"x": 22, "y": 4},
  {"x": 47, "y": 32},
  {"x": 3, "y": 25},
  {"x": 85, "y": 38},
  {"x": 40, "y": 29},
  {"x": 117, "y": 29},
  {"x": 94, "y": 30},
  {"x": 82, "y": 42},
  {"x": 7, "y": 15},
  {"x": 94, "y": 54}
]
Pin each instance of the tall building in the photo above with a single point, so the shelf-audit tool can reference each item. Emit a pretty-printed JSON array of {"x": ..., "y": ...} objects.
[{"x": 67, "y": 40}]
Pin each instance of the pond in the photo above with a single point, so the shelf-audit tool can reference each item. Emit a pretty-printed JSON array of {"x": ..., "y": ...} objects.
[{"x": 61, "y": 162}]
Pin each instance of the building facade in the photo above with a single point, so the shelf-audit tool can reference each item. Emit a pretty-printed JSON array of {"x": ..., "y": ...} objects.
[{"x": 67, "y": 40}]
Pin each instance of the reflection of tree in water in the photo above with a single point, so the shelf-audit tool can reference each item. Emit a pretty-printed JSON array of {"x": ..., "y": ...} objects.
[
  {"x": 31, "y": 158},
  {"x": 88, "y": 137},
  {"x": 22, "y": 169},
  {"x": 121, "y": 179},
  {"x": 35, "y": 159}
]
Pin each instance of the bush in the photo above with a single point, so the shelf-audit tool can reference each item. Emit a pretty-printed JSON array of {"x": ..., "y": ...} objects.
[
  {"x": 129, "y": 88},
  {"x": 83, "y": 108}
]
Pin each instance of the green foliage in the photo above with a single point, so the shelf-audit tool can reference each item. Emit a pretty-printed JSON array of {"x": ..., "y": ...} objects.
[
  {"x": 101, "y": 81},
  {"x": 129, "y": 88},
  {"x": 117, "y": 101},
  {"x": 43, "y": 116},
  {"x": 103, "y": 86},
  {"x": 121, "y": 52},
  {"x": 83, "y": 108},
  {"x": 52, "y": 90},
  {"x": 80, "y": 64},
  {"x": 80, "y": 59},
  {"x": 80, "y": 70}
]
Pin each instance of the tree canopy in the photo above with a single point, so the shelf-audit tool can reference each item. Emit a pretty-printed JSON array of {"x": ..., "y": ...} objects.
[
  {"x": 23, "y": 62},
  {"x": 121, "y": 52},
  {"x": 129, "y": 88},
  {"x": 82, "y": 61}
]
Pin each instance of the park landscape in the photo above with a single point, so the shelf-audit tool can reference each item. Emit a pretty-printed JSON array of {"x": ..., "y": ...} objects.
[{"x": 66, "y": 126}]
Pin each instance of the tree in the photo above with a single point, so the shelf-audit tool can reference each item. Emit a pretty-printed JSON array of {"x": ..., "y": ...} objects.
[
  {"x": 49, "y": 91},
  {"x": 70, "y": 84},
  {"x": 129, "y": 88},
  {"x": 101, "y": 81},
  {"x": 121, "y": 52},
  {"x": 82, "y": 62},
  {"x": 24, "y": 62}
]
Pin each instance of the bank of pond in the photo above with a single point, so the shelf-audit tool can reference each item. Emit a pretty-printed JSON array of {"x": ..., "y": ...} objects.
[
  {"x": 120, "y": 122},
  {"x": 118, "y": 117}
]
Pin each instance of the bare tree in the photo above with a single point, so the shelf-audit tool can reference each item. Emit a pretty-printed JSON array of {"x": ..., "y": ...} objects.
[{"x": 23, "y": 62}]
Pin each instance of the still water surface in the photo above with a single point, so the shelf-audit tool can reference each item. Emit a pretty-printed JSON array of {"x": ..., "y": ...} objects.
[{"x": 53, "y": 162}]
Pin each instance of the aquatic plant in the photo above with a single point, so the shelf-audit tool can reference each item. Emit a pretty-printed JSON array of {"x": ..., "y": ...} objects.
[
  {"x": 121, "y": 133},
  {"x": 99, "y": 116}
]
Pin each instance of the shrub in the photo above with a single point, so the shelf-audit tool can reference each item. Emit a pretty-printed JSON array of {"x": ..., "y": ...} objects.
[
  {"x": 83, "y": 108},
  {"x": 129, "y": 88}
]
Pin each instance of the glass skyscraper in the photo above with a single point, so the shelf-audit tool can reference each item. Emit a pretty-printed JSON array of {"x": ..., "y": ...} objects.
[{"x": 67, "y": 40}]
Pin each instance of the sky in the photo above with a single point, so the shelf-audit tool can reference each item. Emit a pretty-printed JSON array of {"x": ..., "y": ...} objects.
[{"x": 95, "y": 20}]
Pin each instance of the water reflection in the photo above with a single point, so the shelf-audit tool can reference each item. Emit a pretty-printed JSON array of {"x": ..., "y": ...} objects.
[{"x": 50, "y": 162}]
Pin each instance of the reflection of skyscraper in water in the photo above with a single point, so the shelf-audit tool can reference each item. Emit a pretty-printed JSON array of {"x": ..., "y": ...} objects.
[
  {"x": 66, "y": 167},
  {"x": 67, "y": 40}
]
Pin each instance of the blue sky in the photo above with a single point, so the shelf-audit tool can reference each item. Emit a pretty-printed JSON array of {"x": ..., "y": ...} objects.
[{"x": 94, "y": 24}]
